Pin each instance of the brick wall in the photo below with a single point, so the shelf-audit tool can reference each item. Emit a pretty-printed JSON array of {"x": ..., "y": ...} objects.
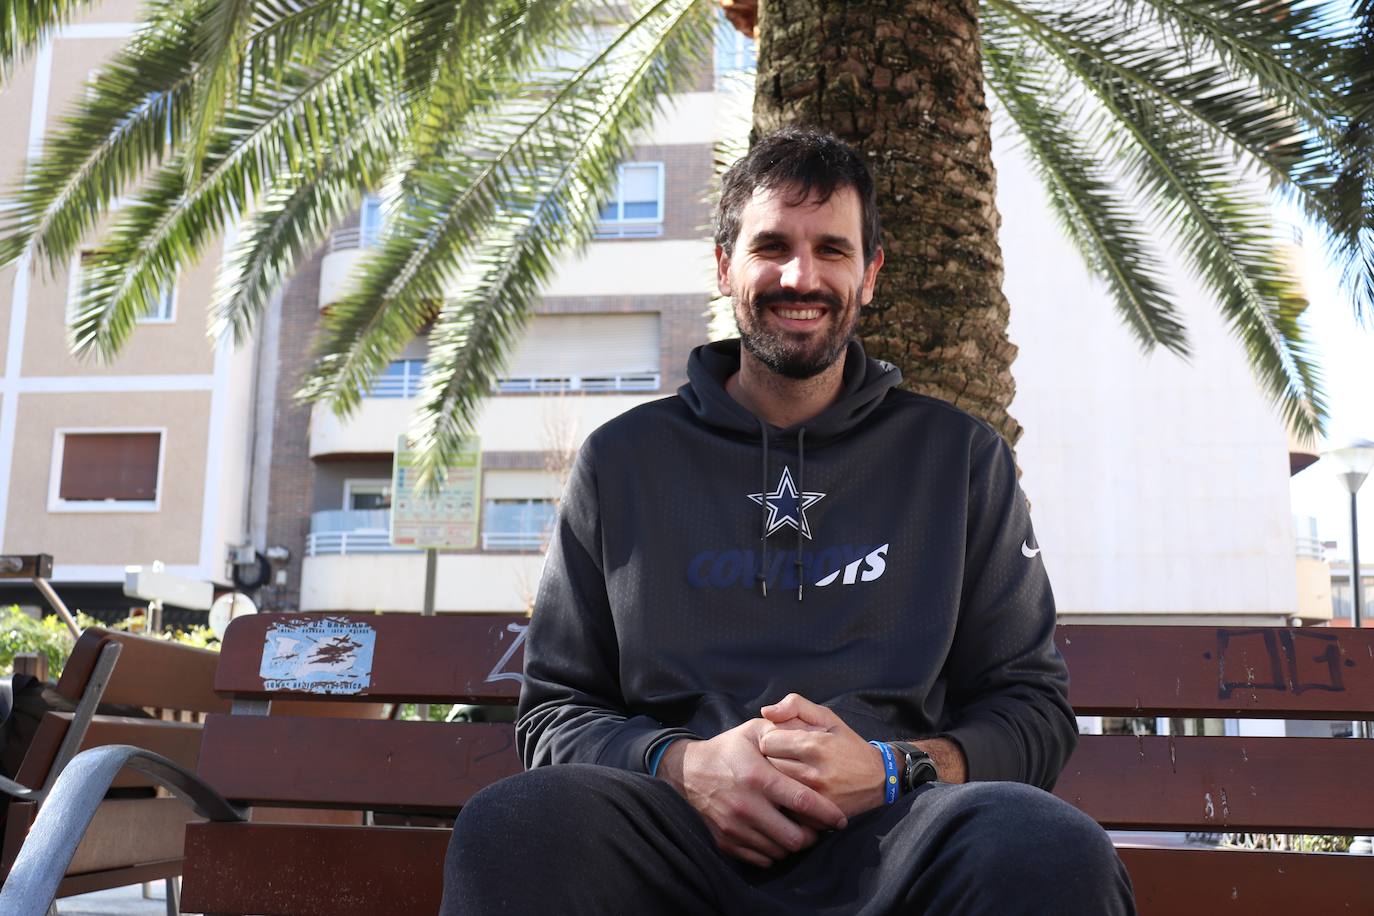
[{"x": 291, "y": 481}]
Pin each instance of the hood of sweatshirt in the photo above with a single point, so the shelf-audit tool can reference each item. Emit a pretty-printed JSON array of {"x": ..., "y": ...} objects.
[{"x": 862, "y": 387}]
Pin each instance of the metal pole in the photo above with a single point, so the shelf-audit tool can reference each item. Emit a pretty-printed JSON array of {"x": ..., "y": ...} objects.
[
  {"x": 431, "y": 573},
  {"x": 57, "y": 604},
  {"x": 1356, "y": 585}
]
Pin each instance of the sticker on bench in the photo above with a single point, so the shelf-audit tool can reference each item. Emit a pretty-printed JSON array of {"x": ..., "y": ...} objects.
[{"x": 329, "y": 655}]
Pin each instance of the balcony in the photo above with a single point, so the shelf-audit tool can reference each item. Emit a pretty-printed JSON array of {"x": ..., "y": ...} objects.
[
  {"x": 346, "y": 248},
  {"x": 536, "y": 424},
  {"x": 353, "y": 532}
]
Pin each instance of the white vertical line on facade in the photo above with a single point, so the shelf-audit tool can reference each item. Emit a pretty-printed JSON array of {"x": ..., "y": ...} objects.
[
  {"x": 19, "y": 300},
  {"x": 214, "y": 462}
]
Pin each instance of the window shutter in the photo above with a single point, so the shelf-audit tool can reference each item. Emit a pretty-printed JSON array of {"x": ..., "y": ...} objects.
[
  {"x": 110, "y": 466},
  {"x": 582, "y": 345}
]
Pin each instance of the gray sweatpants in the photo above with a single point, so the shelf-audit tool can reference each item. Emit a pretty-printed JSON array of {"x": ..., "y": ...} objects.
[{"x": 577, "y": 839}]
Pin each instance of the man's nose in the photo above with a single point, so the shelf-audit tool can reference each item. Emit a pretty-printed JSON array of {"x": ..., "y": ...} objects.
[{"x": 799, "y": 272}]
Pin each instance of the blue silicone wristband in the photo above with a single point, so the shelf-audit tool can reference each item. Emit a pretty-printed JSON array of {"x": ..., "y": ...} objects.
[
  {"x": 890, "y": 787},
  {"x": 657, "y": 756}
]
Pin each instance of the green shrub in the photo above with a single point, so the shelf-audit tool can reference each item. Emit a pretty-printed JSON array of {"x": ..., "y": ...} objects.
[
  {"x": 50, "y": 637},
  {"x": 20, "y": 633}
]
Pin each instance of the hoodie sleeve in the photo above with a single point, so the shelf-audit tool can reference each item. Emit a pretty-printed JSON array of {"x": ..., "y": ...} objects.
[
  {"x": 571, "y": 706},
  {"x": 1008, "y": 683}
]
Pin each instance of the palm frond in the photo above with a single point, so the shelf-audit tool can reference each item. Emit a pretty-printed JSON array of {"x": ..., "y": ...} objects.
[
  {"x": 1195, "y": 192},
  {"x": 129, "y": 118},
  {"x": 290, "y": 127},
  {"x": 221, "y": 29},
  {"x": 1090, "y": 208},
  {"x": 498, "y": 159},
  {"x": 296, "y": 216},
  {"x": 555, "y": 209},
  {"x": 24, "y": 24}
]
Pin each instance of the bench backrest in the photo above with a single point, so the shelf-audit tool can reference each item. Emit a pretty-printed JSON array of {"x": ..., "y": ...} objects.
[
  {"x": 1172, "y": 783},
  {"x": 134, "y": 838},
  {"x": 1227, "y": 784}
]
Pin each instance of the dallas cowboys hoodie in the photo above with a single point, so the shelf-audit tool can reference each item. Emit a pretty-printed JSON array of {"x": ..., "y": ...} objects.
[{"x": 878, "y": 559}]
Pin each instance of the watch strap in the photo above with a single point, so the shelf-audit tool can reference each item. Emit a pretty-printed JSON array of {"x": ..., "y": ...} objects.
[{"x": 920, "y": 768}]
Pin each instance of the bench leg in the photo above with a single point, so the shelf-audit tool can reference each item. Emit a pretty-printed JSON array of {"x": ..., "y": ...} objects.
[{"x": 173, "y": 896}]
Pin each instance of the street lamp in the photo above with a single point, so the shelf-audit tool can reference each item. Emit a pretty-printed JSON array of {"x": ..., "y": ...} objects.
[{"x": 1353, "y": 462}]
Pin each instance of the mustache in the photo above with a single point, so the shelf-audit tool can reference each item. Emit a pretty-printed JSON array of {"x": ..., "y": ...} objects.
[{"x": 784, "y": 297}]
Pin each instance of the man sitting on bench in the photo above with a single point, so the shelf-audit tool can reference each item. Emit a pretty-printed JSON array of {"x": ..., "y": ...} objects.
[{"x": 792, "y": 649}]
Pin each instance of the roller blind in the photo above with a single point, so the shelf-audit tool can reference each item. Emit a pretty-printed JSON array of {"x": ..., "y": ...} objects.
[
  {"x": 565, "y": 345},
  {"x": 116, "y": 466}
]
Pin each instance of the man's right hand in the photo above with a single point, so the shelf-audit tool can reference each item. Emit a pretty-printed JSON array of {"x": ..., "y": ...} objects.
[{"x": 751, "y": 808}]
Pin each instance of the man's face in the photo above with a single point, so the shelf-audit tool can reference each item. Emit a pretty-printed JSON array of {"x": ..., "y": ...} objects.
[{"x": 797, "y": 278}]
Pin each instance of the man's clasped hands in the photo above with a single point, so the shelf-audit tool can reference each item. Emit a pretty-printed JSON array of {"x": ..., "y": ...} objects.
[{"x": 768, "y": 787}]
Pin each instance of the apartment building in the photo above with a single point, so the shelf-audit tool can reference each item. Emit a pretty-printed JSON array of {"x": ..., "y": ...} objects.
[
  {"x": 136, "y": 461},
  {"x": 611, "y": 331}
]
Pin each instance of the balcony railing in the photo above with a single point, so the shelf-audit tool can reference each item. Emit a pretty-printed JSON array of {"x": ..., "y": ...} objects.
[
  {"x": 340, "y": 532},
  {"x": 346, "y": 239},
  {"x": 630, "y": 381},
  {"x": 403, "y": 379},
  {"x": 514, "y": 540},
  {"x": 629, "y": 229}
]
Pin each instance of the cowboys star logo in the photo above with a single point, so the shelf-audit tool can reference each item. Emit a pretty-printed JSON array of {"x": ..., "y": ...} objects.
[{"x": 786, "y": 506}]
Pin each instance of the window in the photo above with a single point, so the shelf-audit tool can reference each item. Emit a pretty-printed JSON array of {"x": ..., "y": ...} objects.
[
  {"x": 636, "y": 211},
  {"x": 400, "y": 379},
  {"x": 590, "y": 352},
  {"x": 367, "y": 494},
  {"x": 106, "y": 470},
  {"x": 162, "y": 312},
  {"x": 370, "y": 221},
  {"x": 517, "y": 524},
  {"x": 734, "y": 50}
]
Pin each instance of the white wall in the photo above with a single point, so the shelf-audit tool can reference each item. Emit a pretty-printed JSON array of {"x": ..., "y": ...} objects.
[
  {"x": 1157, "y": 486},
  {"x": 396, "y": 582}
]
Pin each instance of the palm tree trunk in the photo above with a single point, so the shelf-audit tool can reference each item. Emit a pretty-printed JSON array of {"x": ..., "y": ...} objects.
[{"x": 902, "y": 81}]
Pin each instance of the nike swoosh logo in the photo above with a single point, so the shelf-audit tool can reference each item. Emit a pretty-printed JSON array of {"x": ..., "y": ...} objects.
[{"x": 1028, "y": 551}]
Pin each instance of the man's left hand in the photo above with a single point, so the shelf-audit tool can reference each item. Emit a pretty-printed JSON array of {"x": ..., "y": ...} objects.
[{"x": 812, "y": 745}]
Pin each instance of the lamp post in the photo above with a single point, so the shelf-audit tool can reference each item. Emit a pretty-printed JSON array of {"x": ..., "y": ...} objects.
[{"x": 1353, "y": 462}]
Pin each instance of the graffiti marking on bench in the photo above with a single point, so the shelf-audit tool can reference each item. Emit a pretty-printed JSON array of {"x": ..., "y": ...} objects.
[
  {"x": 1267, "y": 659},
  {"x": 519, "y": 629}
]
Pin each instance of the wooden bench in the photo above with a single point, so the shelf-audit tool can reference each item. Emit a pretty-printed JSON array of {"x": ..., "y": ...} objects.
[
  {"x": 426, "y": 769},
  {"x": 137, "y": 837}
]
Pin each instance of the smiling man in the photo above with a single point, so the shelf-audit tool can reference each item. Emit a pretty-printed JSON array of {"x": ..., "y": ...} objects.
[{"x": 790, "y": 652}]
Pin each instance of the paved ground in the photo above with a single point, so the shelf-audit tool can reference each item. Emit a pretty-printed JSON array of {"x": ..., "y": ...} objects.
[{"x": 120, "y": 901}]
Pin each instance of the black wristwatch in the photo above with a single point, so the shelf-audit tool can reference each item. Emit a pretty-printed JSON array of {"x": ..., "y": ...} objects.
[{"x": 920, "y": 769}]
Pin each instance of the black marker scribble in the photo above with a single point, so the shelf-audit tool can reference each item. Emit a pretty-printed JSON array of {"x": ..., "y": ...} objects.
[{"x": 1276, "y": 655}]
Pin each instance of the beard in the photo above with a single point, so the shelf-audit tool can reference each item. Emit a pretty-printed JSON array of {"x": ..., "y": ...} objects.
[{"x": 794, "y": 354}]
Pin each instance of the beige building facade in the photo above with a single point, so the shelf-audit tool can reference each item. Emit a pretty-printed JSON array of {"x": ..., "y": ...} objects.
[{"x": 137, "y": 460}]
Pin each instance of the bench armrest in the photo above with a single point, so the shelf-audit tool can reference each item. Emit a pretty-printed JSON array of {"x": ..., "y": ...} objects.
[{"x": 67, "y": 812}]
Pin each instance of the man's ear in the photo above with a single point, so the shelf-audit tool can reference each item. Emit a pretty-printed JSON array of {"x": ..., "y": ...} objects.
[
  {"x": 723, "y": 272},
  {"x": 871, "y": 277}
]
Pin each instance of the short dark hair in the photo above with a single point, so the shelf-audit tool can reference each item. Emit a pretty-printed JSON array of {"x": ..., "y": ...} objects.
[{"x": 812, "y": 162}]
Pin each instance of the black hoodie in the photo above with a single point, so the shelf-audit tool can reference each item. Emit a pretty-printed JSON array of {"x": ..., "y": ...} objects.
[{"x": 675, "y": 599}]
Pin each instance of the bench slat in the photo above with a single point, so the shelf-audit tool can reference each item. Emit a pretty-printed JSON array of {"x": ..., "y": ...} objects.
[
  {"x": 313, "y": 871},
  {"x": 351, "y": 763},
  {"x": 1206, "y": 882},
  {"x": 179, "y": 741},
  {"x": 150, "y": 672},
  {"x": 321, "y": 871},
  {"x": 1244, "y": 672},
  {"x": 472, "y": 658},
  {"x": 1208, "y": 784}
]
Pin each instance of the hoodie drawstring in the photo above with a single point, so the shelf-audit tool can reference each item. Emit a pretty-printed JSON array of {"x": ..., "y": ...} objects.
[
  {"x": 762, "y": 574},
  {"x": 763, "y": 518},
  {"x": 801, "y": 501}
]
